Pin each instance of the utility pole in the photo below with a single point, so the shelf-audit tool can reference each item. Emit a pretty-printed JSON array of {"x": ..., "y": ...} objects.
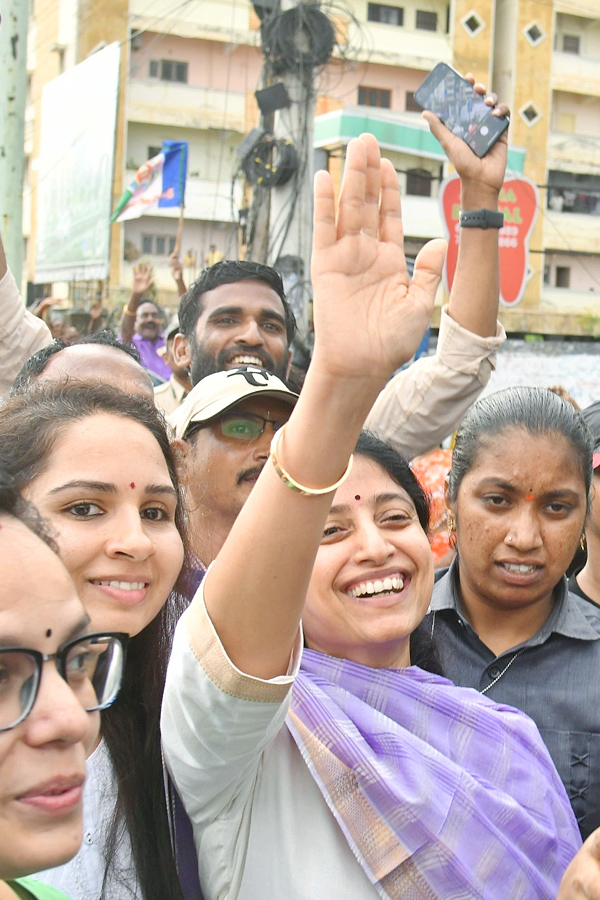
[
  {"x": 13, "y": 65},
  {"x": 297, "y": 37},
  {"x": 292, "y": 203}
]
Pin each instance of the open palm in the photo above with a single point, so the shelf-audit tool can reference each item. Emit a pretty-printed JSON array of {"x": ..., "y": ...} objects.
[{"x": 369, "y": 319}]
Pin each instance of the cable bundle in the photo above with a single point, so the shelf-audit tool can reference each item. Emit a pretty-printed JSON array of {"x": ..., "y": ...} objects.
[
  {"x": 299, "y": 38},
  {"x": 271, "y": 163}
]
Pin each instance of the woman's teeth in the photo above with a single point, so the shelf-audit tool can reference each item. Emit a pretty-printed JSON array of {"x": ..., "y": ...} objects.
[
  {"x": 518, "y": 569},
  {"x": 385, "y": 586},
  {"x": 122, "y": 585}
]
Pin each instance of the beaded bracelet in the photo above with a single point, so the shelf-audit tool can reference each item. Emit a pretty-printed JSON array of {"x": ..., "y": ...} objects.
[{"x": 289, "y": 481}]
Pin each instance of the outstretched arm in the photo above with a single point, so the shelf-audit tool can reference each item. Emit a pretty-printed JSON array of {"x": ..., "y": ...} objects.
[
  {"x": 143, "y": 279},
  {"x": 426, "y": 402},
  {"x": 368, "y": 321},
  {"x": 476, "y": 287},
  {"x": 21, "y": 333}
]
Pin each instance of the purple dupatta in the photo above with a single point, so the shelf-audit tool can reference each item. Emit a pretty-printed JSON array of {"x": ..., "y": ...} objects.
[{"x": 441, "y": 793}]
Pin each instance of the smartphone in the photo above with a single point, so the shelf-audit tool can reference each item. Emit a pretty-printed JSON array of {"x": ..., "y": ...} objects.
[{"x": 451, "y": 97}]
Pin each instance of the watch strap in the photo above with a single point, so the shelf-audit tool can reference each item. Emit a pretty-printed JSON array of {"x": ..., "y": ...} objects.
[{"x": 481, "y": 218}]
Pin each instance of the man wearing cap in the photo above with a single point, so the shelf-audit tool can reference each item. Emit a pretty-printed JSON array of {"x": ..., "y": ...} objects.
[
  {"x": 586, "y": 581},
  {"x": 169, "y": 396},
  {"x": 225, "y": 426}
]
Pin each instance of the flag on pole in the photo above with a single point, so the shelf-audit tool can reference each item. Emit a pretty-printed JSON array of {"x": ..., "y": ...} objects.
[{"x": 158, "y": 183}]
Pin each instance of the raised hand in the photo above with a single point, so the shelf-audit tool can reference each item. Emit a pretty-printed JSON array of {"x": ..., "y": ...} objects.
[
  {"x": 369, "y": 319},
  {"x": 143, "y": 279},
  {"x": 487, "y": 171}
]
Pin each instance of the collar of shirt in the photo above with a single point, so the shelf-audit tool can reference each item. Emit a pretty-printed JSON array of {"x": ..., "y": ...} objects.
[{"x": 570, "y": 616}]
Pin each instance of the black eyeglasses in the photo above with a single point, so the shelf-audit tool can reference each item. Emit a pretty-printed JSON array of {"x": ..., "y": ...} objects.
[
  {"x": 240, "y": 426},
  {"x": 91, "y": 665}
]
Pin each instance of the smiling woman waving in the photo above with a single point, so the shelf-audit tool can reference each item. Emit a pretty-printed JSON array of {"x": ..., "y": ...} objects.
[{"x": 340, "y": 769}]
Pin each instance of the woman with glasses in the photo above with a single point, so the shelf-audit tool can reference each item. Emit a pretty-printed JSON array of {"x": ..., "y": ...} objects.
[
  {"x": 97, "y": 464},
  {"x": 55, "y": 676},
  {"x": 314, "y": 758}
]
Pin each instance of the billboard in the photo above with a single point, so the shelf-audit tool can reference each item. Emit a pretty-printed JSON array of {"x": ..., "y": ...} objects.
[
  {"x": 74, "y": 195},
  {"x": 519, "y": 201}
]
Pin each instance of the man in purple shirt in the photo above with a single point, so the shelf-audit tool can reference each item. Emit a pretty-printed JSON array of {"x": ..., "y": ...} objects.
[{"x": 141, "y": 325}]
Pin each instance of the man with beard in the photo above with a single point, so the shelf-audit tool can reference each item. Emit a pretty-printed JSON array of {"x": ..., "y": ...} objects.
[
  {"x": 224, "y": 428},
  {"x": 235, "y": 314}
]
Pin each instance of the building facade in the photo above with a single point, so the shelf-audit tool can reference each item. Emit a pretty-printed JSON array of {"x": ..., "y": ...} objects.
[{"x": 190, "y": 70}]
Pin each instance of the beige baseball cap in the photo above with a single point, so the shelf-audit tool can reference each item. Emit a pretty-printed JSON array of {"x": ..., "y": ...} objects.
[{"x": 222, "y": 390}]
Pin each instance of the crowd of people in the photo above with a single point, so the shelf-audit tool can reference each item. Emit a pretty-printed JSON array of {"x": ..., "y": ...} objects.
[{"x": 240, "y": 675}]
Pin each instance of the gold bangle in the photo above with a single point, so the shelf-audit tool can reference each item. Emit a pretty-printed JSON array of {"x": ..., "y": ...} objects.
[
  {"x": 128, "y": 312},
  {"x": 289, "y": 481}
]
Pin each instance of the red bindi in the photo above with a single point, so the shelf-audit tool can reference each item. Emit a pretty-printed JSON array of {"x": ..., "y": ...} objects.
[
  {"x": 357, "y": 496},
  {"x": 529, "y": 497},
  {"x": 132, "y": 485}
]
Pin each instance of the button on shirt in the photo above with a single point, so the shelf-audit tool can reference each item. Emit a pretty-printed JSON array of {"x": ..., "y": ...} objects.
[{"x": 554, "y": 677}]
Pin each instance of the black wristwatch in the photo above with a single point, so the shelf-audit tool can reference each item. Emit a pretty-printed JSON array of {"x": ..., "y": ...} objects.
[{"x": 481, "y": 218}]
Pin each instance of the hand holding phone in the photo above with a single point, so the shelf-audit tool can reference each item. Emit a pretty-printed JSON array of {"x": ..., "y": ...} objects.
[{"x": 462, "y": 110}]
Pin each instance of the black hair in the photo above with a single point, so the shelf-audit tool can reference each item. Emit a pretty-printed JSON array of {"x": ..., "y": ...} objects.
[
  {"x": 13, "y": 504},
  {"x": 423, "y": 651},
  {"x": 230, "y": 271},
  {"x": 537, "y": 411},
  {"x": 36, "y": 364},
  {"x": 30, "y": 426},
  {"x": 398, "y": 469}
]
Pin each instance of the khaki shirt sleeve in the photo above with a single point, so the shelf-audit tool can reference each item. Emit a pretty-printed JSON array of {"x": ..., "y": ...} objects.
[
  {"x": 21, "y": 333},
  {"x": 425, "y": 403}
]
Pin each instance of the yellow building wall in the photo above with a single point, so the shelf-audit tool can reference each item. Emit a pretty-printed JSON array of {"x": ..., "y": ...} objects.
[
  {"x": 474, "y": 53},
  {"x": 531, "y": 85}
]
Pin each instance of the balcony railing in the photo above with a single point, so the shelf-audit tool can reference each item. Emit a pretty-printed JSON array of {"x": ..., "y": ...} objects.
[
  {"x": 186, "y": 106},
  {"x": 575, "y": 73}
]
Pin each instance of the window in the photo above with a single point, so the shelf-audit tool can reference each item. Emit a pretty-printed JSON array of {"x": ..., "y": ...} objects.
[
  {"x": 563, "y": 276},
  {"x": 473, "y": 23},
  {"x": 388, "y": 15},
  {"x": 157, "y": 244},
  {"x": 427, "y": 21},
  {"x": 411, "y": 104},
  {"x": 534, "y": 34},
  {"x": 570, "y": 43},
  {"x": 530, "y": 113},
  {"x": 169, "y": 70},
  {"x": 154, "y": 151},
  {"x": 374, "y": 97},
  {"x": 418, "y": 182}
]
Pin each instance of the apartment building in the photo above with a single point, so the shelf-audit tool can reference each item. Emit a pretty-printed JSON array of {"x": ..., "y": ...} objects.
[{"x": 190, "y": 70}]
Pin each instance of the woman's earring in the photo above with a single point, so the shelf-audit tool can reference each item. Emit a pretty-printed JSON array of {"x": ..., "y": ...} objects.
[
  {"x": 582, "y": 541},
  {"x": 451, "y": 530}
]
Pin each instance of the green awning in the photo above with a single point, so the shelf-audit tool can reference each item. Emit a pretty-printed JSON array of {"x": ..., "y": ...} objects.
[{"x": 340, "y": 126}]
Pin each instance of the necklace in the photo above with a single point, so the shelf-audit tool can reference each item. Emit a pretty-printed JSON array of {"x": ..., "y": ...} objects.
[{"x": 504, "y": 670}]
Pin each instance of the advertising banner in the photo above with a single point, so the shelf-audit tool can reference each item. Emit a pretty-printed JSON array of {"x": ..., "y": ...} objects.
[
  {"x": 74, "y": 195},
  {"x": 519, "y": 201}
]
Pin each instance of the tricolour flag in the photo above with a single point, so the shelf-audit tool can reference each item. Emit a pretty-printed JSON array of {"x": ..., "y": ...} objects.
[{"x": 158, "y": 183}]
